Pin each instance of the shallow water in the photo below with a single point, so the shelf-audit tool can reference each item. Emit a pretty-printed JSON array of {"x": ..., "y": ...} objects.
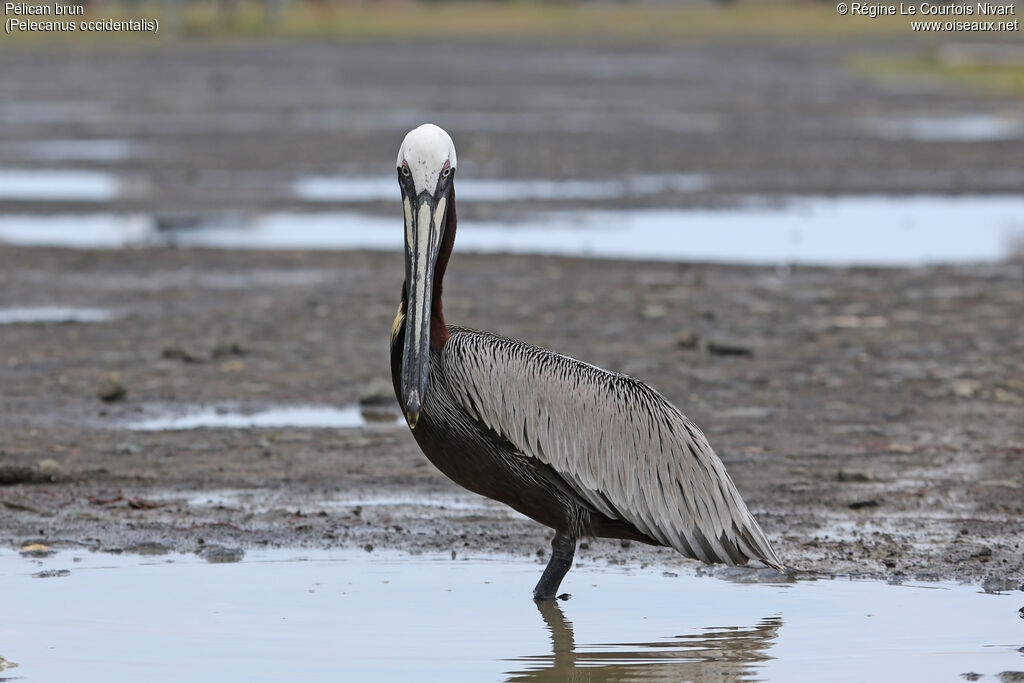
[
  {"x": 968, "y": 128},
  {"x": 357, "y": 616},
  {"x": 871, "y": 230},
  {"x": 77, "y": 231},
  {"x": 361, "y": 189},
  {"x": 223, "y": 417},
  {"x": 262, "y": 501},
  {"x": 54, "y": 185},
  {"x": 53, "y": 314},
  {"x": 70, "y": 150}
]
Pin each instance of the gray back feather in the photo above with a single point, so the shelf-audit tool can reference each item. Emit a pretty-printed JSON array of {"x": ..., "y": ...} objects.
[{"x": 617, "y": 442}]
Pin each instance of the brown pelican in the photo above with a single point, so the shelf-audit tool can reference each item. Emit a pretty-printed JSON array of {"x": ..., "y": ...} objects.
[{"x": 577, "y": 448}]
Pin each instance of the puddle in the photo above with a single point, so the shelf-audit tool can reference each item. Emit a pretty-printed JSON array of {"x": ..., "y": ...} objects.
[
  {"x": 971, "y": 128},
  {"x": 37, "y": 185},
  {"x": 305, "y": 416},
  {"x": 386, "y": 616},
  {"x": 890, "y": 231},
  {"x": 868, "y": 230},
  {"x": 251, "y": 502},
  {"x": 70, "y": 150},
  {"x": 358, "y": 189},
  {"x": 54, "y": 314},
  {"x": 78, "y": 231}
]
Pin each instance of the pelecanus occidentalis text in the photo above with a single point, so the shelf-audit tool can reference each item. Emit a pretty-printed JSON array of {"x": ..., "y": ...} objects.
[{"x": 580, "y": 449}]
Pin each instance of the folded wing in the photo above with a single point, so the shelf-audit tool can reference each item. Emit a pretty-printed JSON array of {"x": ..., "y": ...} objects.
[{"x": 617, "y": 442}]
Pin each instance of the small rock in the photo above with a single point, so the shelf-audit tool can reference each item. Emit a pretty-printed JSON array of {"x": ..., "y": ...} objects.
[
  {"x": 655, "y": 312},
  {"x": 625, "y": 543},
  {"x": 971, "y": 676},
  {"x": 1004, "y": 396},
  {"x": 111, "y": 390},
  {"x": 861, "y": 504},
  {"x": 669, "y": 575},
  {"x": 51, "y": 573},
  {"x": 994, "y": 584},
  {"x": 688, "y": 339},
  {"x": 723, "y": 346},
  {"x": 49, "y": 468},
  {"x": 964, "y": 388},
  {"x": 36, "y": 550},
  {"x": 855, "y": 476},
  {"x": 368, "y": 547},
  {"x": 178, "y": 352},
  {"x": 377, "y": 392},
  {"x": 228, "y": 349},
  {"x": 1012, "y": 676},
  {"x": 149, "y": 548},
  {"x": 218, "y": 554}
]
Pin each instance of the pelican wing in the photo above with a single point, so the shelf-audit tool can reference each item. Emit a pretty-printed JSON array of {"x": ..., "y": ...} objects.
[{"x": 617, "y": 442}]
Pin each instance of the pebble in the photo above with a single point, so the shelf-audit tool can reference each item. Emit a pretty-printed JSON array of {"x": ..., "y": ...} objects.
[
  {"x": 49, "y": 468},
  {"x": 51, "y": 573},
  {"x": 228, "y": 349},
  {"x": 178, "y": 352},
  {"x": 1004, "y": 396},
  {"x": 36, "y": 550},
  {"x": 688, "y": 339},
  {"x": 150, "y": 548},
  {"x": 218, "y": 554},
  {"x": 964, "y": 388},
  {"x": 655, "y": 312},
  {"x": 855, "y": 476},
  {"x": 111, "y": 390},
  {"x": 377, "y": 392},
  {"x": 724, "y": 346},
  {"x": 998, "y": 584}
]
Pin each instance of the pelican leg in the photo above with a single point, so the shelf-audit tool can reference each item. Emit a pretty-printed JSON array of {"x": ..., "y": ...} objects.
[{"x": 563, "y": 547}]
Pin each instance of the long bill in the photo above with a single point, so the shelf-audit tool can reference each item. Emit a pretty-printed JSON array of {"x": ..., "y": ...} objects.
[{"x": 424, "y": 225}]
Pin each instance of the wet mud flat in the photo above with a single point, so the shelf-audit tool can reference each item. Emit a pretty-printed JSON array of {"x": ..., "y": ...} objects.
[
  {"x": 870, "y": 417},
  {"x": 180, "y": 129}
]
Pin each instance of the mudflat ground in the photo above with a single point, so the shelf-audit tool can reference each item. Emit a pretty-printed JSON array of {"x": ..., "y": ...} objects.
[{"x": 871, "y": 418}]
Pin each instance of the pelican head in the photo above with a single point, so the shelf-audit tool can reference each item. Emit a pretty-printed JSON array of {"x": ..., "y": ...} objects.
[{"x": 426, "y": 166}]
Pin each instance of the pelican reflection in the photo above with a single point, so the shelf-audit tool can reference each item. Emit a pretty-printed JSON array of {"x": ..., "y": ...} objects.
[{"x": 716, "y": 654}]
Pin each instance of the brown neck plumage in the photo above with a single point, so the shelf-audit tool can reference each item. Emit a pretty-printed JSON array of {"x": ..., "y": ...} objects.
[{"x": 438, "y": 330}]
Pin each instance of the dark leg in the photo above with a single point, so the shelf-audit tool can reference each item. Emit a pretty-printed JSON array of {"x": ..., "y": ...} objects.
[{"x": 562, "y": 550}]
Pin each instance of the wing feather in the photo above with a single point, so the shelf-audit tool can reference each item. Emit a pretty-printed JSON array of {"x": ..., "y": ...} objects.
[{"x": 617, "y": 442}]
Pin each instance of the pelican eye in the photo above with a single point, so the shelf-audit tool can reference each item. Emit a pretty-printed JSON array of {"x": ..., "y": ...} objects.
[
  {"x": 446, "y": 172},
  {"x": 405, "y": 171}
]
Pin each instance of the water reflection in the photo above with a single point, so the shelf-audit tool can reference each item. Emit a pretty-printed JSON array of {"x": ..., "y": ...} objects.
[{"x": 716, "y": 654}]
